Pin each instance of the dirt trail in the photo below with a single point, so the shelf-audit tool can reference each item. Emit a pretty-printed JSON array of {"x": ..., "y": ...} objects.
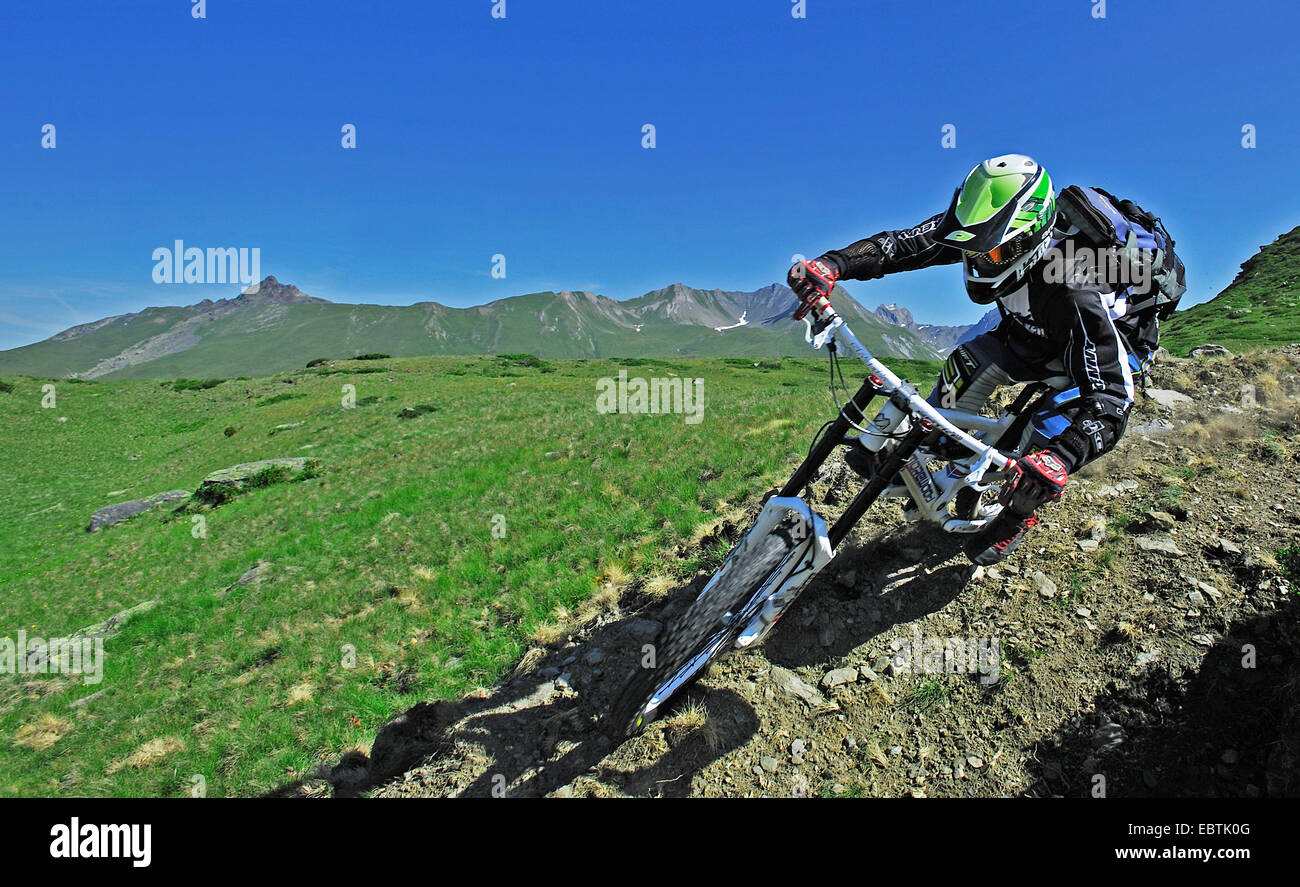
[{"x": 1147, "y": 640}]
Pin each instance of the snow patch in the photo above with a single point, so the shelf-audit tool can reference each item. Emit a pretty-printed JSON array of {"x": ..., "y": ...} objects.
[{"x": 741, "y": 322}]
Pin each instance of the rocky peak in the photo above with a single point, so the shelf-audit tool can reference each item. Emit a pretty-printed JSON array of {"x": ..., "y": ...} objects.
[
  {"x": 896, "y": 314},
  {"x": 272, "y": 290}
]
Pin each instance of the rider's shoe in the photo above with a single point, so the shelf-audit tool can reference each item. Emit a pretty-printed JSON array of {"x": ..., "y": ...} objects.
[{"x": 999, "y": 538}]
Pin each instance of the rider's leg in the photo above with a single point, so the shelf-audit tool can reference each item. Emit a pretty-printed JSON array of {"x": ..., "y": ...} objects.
[
  {"x": 1095, "y": 429},
  {"x": 972, "y": 372},
  {"x": 1102, "y": 427}
]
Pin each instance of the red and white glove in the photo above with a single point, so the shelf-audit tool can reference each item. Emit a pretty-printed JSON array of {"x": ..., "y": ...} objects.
[
  {"x": 812, "y": 282},
  {"x": 1034, "y": 480}
]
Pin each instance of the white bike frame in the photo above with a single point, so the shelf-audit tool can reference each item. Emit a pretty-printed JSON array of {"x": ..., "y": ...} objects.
[
  {"x": 812, "y": 549},
  {"x": 930, "y": 490}
]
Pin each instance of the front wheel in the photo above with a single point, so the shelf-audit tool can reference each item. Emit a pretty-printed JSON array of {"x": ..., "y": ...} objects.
[{"x": 707, "y": 628}]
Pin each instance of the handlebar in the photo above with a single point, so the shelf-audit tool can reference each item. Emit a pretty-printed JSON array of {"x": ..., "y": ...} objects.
[{"x": 830, "y": 325}]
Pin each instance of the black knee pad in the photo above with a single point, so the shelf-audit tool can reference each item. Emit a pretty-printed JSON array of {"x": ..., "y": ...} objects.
[{"x": 1094, "y": 431}]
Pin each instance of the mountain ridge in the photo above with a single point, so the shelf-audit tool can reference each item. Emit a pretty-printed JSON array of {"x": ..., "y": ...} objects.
[
  {"x": 277, "y": 327},
  {"x": 942, "y": 338}
]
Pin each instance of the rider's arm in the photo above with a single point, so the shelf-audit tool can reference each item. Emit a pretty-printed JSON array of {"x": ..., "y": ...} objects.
[
  {"x": 1097, "y": 360},
  {"x": 892, "y": 251}
]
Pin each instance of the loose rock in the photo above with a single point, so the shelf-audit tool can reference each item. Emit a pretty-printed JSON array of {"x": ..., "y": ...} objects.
[
  {"x": 1046, "y": 587},
  {"x": 838, "y": 676},
  {"x": 792, "y": 685},
  {"x": 1161, "y": 544}
]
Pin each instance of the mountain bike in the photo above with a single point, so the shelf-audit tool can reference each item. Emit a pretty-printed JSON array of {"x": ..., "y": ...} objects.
[{"x": 948, "y": 465}]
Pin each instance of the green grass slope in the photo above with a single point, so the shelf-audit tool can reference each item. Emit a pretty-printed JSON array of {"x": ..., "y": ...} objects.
[
  {"x": 1260, "y": 308},
  {"x": 383, "y": 582}
]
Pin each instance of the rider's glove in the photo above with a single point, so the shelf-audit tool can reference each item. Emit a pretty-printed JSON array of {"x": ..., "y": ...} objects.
[
  {"x": 1034, "y": 480},
  {"x": 813, "y": 280}
]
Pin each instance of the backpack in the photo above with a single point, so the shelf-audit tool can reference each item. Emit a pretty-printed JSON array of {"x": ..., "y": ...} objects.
[{"x": 1145, "y": 252}]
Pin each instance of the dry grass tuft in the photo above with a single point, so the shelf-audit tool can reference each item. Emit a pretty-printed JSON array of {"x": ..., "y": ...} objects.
[
  {"x": 874, "y": 752},
  {"x": 702, "y": 531},
  {"x": 587, "y": 787},
  {"x": 605, "y": 600},
  {"x": 299, "y": 693},
  {"x": 616, "y": 575},
  {"x": 879, "y": 696},
  {"x": 148, "y": 754},
  {"x": 691, "y": 718},
  {"x": 530, "y": 660},
  {"x": 558, "y": 628},
  {"x": 658, "y": 585},
  {"x": 43, "y": 733}
]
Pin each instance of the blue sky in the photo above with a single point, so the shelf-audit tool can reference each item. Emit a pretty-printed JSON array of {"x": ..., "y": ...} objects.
[{"x": 522, "y": 136}]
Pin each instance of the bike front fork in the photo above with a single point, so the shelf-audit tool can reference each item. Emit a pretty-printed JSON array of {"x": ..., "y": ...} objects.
[{"x": 823, "y": 541}]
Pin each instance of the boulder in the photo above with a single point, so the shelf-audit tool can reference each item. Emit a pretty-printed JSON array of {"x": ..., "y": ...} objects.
[
  {"x": 59, "y": 660},
  {"x": 116, "y": 514},
  {"x": 113, "y": 624},
  {"x": 221, "y": 486},
  {"x": 259, "y": 572},
  {"x": 1210, "y": 351},
  {"x": 1167, "y": 398}
]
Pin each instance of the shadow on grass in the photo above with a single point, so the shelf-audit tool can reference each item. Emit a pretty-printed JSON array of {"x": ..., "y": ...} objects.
[{"x": 541, "y": 730}]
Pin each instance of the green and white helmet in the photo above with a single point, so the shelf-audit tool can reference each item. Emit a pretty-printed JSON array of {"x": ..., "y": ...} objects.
[{"x": 1001, "y": 219}]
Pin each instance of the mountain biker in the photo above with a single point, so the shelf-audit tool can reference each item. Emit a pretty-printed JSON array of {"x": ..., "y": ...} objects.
[{"x": 1002, "y": 227}]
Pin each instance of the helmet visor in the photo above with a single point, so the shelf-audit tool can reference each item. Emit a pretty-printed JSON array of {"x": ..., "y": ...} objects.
[{"x": 1000, "y": 256}]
